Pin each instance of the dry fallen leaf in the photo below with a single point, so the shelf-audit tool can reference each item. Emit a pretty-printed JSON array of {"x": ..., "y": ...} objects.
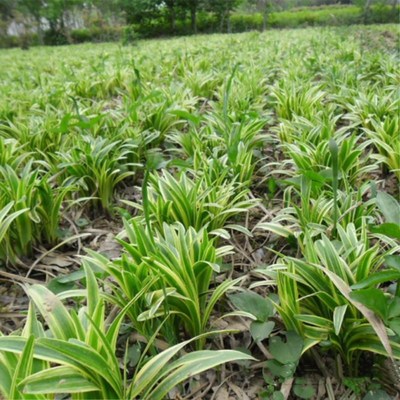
[
  {"x": 239, "y": 392},
  {"x": 222, "y": 394},
  {"x": 60, "y": 260}
]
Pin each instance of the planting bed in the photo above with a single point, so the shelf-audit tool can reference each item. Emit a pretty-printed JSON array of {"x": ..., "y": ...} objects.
[{"x": 209, "y": 217}]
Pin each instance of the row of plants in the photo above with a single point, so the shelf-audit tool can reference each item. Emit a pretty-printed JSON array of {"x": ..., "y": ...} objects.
[{"x": 302, "y": 130}]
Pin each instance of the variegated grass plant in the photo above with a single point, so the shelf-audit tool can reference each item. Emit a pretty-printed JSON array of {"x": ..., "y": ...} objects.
[
  {"x": 196, "y": 201},
  {"x": 34, "y": 191},
  {"x": 78, "y": 356},
  {"x": 177, "y": 266},
  {"x": 332, "y": 295},
  {"x": 97, "y": 166}
]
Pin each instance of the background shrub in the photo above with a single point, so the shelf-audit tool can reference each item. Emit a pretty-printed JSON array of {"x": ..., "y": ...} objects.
[{"x": 333, "y": 15}]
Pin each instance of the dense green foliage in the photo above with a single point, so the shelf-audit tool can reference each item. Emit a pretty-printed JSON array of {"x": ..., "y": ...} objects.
[
  {"x": 235, "y": 162},
  {"x": 31, "y": 22},
  {"x": 297, "y": 18}
]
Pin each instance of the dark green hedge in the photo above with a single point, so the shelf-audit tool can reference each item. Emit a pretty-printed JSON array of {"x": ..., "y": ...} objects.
[
  {"x": 105, "y": 34},
  {"x": 333, "y": 16}
]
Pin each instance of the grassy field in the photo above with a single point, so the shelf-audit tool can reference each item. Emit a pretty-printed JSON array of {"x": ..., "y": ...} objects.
[{"x": 223, "y": 201}]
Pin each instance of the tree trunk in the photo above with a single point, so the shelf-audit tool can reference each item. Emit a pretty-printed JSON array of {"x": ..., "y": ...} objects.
[
  {"x": 173, "y": 19},
  {"x": 367, "y": 9},
  {"x": 39, "y": 30},
  {"x": 262, "y": 9},
  {"x": 193, "y": 18},
  {"x": 264, "y": 22},
  {"x": 172, "y": 15},
  {"x": 61, "y": 23},
  {"x": 53, "y": 26},
  {"x": 368, "y": 4}
]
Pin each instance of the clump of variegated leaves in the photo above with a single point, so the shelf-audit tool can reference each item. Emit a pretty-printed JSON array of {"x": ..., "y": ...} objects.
[{"x": 77, "y": 354}]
